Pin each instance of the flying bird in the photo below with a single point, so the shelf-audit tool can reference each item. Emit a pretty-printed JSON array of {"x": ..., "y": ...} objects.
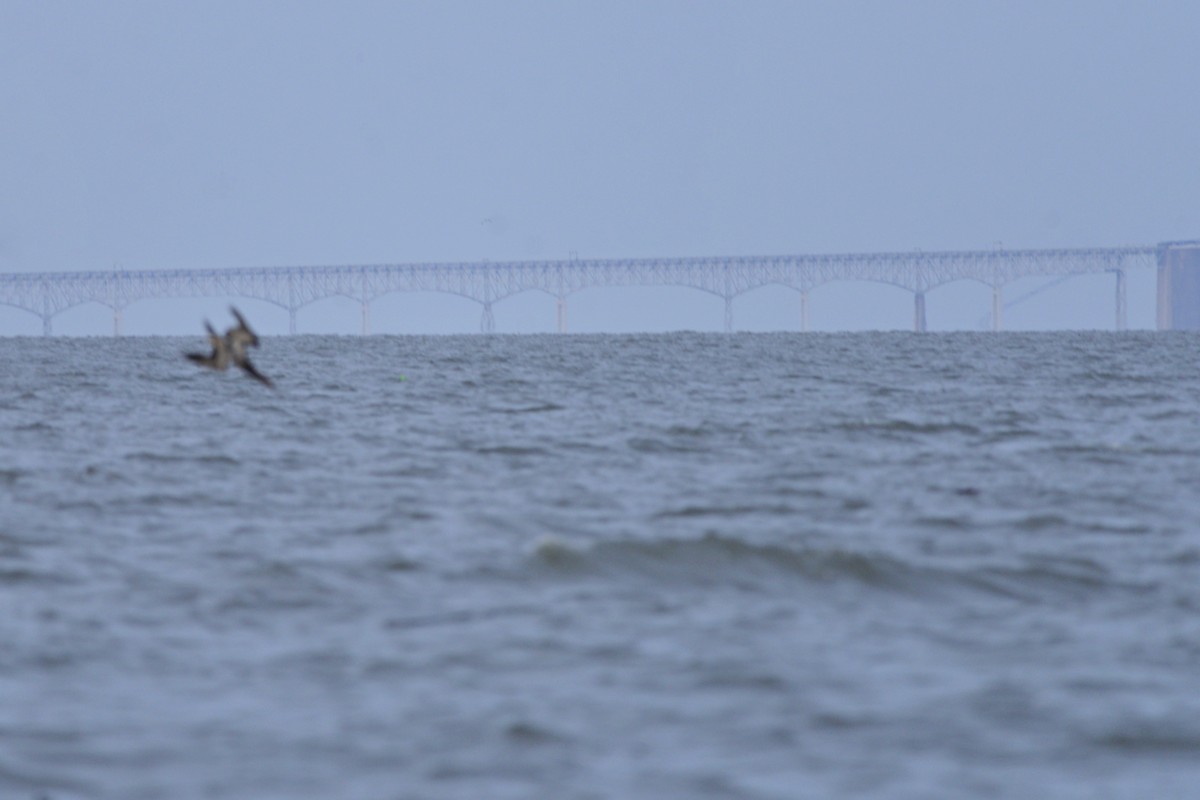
[{"x": 231, "y": 348}]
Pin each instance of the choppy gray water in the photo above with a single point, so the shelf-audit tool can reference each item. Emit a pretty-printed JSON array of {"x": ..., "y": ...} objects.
[{"x": 672, "y": 566}]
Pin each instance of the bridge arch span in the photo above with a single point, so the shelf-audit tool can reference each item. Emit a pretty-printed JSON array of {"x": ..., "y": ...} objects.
[{"x": 292, "y": 288}]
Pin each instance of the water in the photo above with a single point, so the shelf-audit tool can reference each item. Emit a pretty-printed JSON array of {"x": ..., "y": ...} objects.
[{"x": 693, "y": 566}]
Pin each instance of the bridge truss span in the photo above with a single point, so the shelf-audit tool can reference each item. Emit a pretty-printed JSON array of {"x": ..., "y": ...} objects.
[{"x": 292, "y": 288}]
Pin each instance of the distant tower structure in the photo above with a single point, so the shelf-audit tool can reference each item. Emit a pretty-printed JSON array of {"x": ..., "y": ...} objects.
[{"x": 1179, "y": 286}]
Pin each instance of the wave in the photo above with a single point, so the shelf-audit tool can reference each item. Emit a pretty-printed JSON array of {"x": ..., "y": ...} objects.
[
  {"x": 511, "y": 450},
  {"x": 719, "y": 559},
  {"x": 653, "y": 445},
  {"x": 1152, "y": 736},
  {"x": 541, "y": 408},
  {"x": 905, "y": 426},
  {"x": 218, "y": 459},
  {"x": 716, "y": 560},
  {"x": 10, "y": 576},
  {"x": 688, "y": 511}
]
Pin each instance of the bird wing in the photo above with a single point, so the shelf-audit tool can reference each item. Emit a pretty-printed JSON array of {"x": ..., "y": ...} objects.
[
  {"x": 245, "y": 364},
  {"x": 220, "y": 350},
  {"x": 243, "y": 331}
]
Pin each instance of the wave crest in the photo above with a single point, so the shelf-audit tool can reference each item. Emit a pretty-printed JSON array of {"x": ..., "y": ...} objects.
[{"x": 716, "y": 560}]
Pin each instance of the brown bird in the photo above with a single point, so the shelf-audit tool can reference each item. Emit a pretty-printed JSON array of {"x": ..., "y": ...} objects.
[{"x": 231, "y": 348}]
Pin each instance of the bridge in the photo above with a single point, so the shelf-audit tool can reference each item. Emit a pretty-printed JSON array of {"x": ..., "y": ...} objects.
[{"x": 47, "y": 294}]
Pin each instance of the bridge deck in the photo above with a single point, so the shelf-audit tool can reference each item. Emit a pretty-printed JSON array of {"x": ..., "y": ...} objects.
[{"x": 49, "y": 293}]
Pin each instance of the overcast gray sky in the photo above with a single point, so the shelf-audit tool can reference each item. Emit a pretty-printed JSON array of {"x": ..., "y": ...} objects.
[{"x": 173, "y": 135}]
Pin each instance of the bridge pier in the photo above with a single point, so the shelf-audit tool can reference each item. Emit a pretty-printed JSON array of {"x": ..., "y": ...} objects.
[
  {"x": 1122, "y": 316},
  {"x": 919, "y": 312},
  {"x": 47, "y": 314},
  {"x": 1178, "y": 286},
  {"x": 487, "y": 323},
  {"x": 561, "y": 321},
  {"x": 997, "y": 308},
  {"x": 117, "y": 320},
  {"x": 729, "y": 313},
  {"x": 804, "y": 310},
  {"x": 366, "y": 318},
  {"x": 292, "y": 306}
]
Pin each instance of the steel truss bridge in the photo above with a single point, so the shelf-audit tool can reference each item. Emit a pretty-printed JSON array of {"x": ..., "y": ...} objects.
[{"x": 487, "y": 283}]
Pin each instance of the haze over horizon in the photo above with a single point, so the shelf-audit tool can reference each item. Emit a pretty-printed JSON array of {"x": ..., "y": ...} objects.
[{"x": 150, "y": 135}]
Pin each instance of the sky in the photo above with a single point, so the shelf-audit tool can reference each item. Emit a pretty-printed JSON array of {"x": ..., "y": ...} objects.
[{"x": 161, "y": 135}]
